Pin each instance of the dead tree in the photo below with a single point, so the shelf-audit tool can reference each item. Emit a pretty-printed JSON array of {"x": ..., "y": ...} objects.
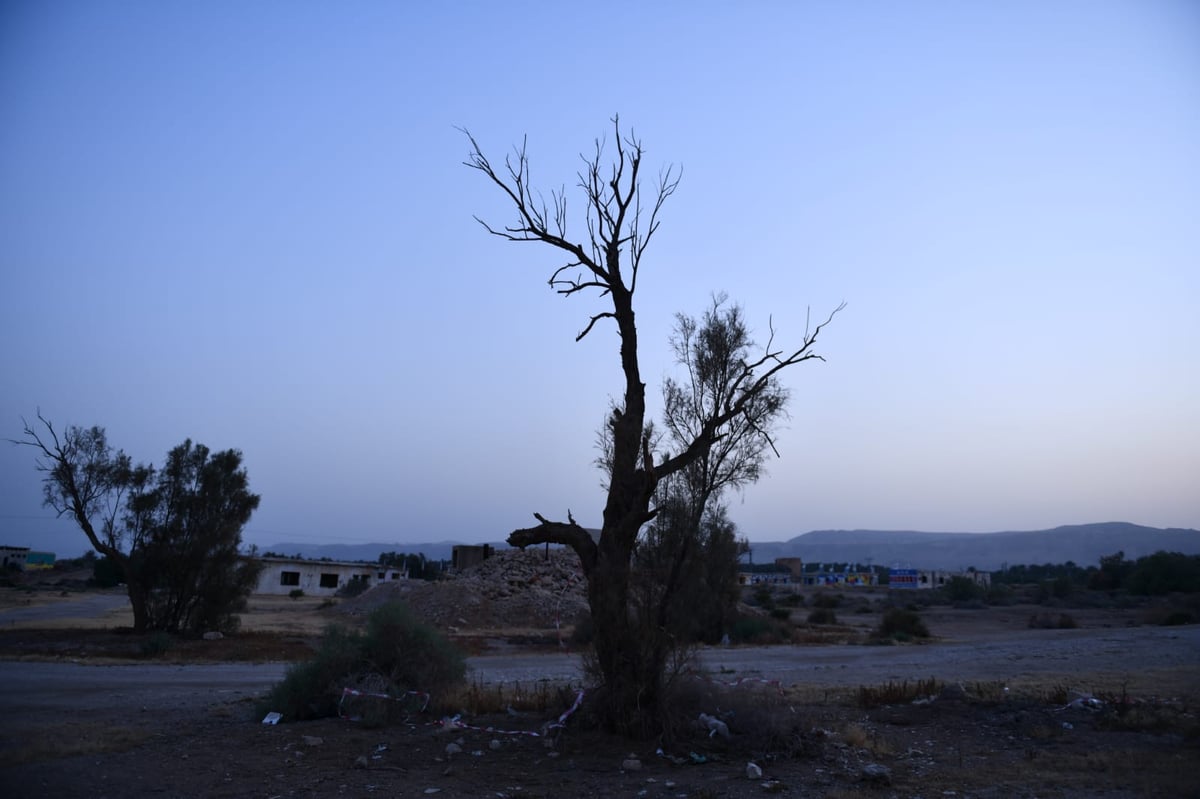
[{"x": 620, "y": 222}]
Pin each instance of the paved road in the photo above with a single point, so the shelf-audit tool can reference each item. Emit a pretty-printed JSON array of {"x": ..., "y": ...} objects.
[{"x": 72, "y": 688}]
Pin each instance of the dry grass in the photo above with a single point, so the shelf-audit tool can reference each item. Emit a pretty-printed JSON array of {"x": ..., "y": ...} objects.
[
  {"x": 69, "y": 740},
  {"x": 896, "y": 693}
]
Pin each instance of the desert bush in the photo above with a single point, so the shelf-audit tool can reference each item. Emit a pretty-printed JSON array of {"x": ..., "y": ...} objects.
[
  {"x": 823, "y": 599},
  {"x": 296, "y": 593},
  {"x": 793, "y": 600},
  {"x": 822, "y": 616},
  {"x": 1049, "y": 621},
  {"x": 896, "y": 693},
  {"x": 583, "y": 631},
  {"x": 411, "y": 654},
  {"x": 156, "y": 644},
  {"x": 1175, "y": 618},
  {"x": 761, "y": 722},
  {"x": 759, "y": 630},
  {"x": 353, "y": 588},
  {"x": 396, "y": 653},
  {"x": 962, "y": 589},
  {"x": 763, "y": 597},
  {"x": 901, "y": 625},
  {"x": 783, "y": 614}
]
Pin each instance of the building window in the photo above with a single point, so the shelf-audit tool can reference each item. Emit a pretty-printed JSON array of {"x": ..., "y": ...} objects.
[
  {"x": 329, "y": 581},
  {"x": 289, "y": 578}
]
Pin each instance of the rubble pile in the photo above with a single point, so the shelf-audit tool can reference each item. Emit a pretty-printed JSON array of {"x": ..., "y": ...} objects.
[{"x": 513, "y": 589}]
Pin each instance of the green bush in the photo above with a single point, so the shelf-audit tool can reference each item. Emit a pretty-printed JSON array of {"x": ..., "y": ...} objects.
[
  {"x": 901, "y": 625},
  {"x": 296, "y": 593},
  {"x": 759, "y": 630},
  {"x": 396, "y": 653},
  {"x": 783, "y": 614},
  {"x": 822, "y": 616}
]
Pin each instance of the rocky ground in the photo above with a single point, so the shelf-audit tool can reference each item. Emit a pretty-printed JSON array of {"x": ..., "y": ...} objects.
[
  {"x": 513, "y": 590},
  {"x": 835, "y": 740}
]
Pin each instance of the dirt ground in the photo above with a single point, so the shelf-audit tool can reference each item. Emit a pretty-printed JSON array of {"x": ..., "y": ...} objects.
[{"x": 1039, "y": 738}]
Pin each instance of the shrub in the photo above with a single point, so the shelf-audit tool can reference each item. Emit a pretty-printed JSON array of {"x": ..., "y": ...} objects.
[
  {"x": 763, "y": 597},
  {"x": 783, "y": 614},
  {"x": 759, "y": 630},
  {"x": 825, "y": 600},
  {"x": 1178, "y": 617},
  {"x": 793, "y": 601},
  {"x": 1048, "y": 621},
  {"x": 296, "y": 593},
  {"x": 157, "y": 644},
  {"x": 962, "y": 589},
  {"x": 901, "y": 625},
  {"x": 353, "y": 588},
  {"x": 822, "y": 616},
  {"x": 396, "y": 653},
  {"x": 584, "y": 630}
]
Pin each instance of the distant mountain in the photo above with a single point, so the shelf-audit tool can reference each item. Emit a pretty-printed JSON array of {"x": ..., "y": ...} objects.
[{"x": 1083, "y": 543}]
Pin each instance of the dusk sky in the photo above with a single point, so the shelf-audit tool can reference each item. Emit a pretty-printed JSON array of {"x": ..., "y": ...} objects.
[{"x": 249, "y": 224}]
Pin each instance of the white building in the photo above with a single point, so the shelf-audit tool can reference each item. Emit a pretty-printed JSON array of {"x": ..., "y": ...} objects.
[{"x": 319, "y": 577}]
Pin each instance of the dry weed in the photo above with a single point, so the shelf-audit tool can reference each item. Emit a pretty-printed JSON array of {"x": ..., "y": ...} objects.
[{"x": 70, "y": 740}]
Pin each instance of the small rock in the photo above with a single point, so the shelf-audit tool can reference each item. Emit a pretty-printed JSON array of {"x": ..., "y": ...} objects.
[
  {"x": 753, "y": 771},
  {"x": 213, "y": 636},
  {"x": 495, "y": 745},
  {"x": 453, "y": 749},
  {"x": 361, "y": 761},
  {"x": 313, "y": 740},
  {"x": 877, "y": 774},
  {"x": 631, "y": 763}
]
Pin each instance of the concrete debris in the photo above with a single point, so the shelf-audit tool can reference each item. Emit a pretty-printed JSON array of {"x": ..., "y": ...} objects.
[
  {"x": 753, "y": 771},
  {"x": 510, "y": 590},
  {"x": 213, "y": 636},
  {"x": 631, "y": 763},
  {"x": 453, "y": 749},
  {"x": 876, "y": 774}
]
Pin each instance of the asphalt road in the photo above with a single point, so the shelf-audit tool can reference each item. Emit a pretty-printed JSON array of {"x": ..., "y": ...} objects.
[{"x": 68, "y": 689}]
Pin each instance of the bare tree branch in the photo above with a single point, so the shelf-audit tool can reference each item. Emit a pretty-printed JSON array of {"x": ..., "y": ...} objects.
[{"x": 567, "y": 533}]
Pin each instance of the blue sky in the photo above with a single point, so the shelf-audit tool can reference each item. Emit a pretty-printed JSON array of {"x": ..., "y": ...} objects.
[{"x": 249, "y": 224}]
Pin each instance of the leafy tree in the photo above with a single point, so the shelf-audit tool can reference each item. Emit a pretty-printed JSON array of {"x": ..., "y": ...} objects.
[
  {"x": 173, "y": 535},
  {"x": 1114, "y": 570},
  {"x": 620, "y": 221},
  {"x": 1164, "y": 573},
  {"x": 417, "y": 565}
]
